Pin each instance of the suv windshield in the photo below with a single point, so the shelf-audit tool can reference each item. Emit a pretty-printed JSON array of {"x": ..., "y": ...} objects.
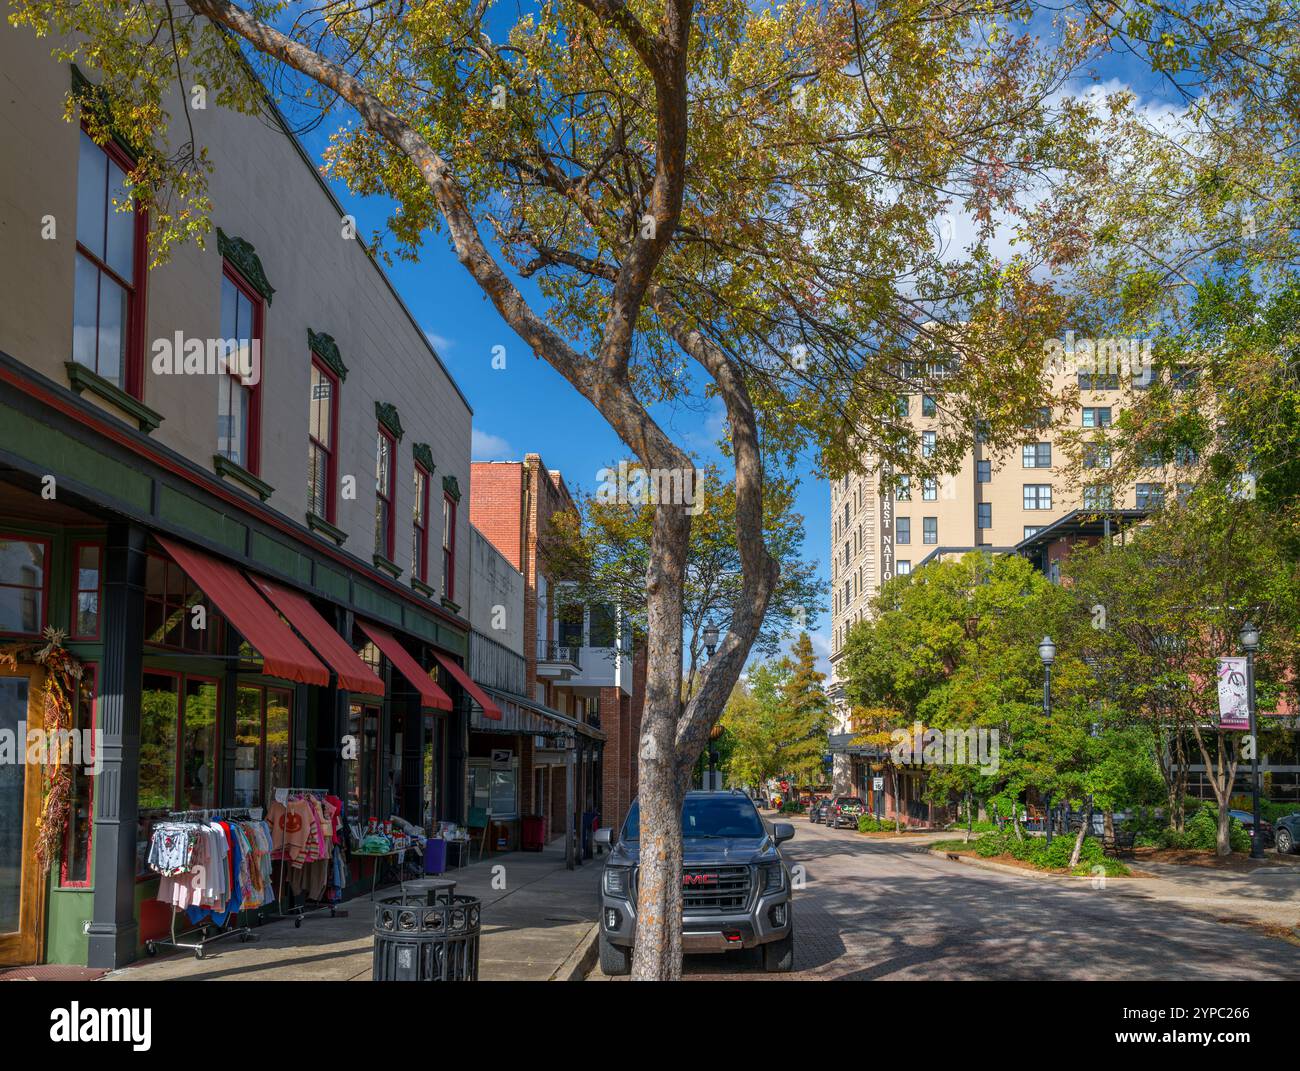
[{"x": 707, "y": 816}]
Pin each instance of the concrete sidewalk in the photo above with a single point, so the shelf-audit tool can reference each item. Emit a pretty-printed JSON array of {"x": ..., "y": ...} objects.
[
  {"x": 1269, "y": 896},
  {"x": 540, "y": 926}
]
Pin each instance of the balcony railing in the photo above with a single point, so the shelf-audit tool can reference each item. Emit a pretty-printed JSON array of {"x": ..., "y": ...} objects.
[{"x": 552, "y": 651}]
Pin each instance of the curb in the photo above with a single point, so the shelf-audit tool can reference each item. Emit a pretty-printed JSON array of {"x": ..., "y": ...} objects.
[{"x": 581, "y": 959}]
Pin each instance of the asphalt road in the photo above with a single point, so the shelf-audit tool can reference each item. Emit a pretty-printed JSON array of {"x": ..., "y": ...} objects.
[{"x": 871, "y": 909}]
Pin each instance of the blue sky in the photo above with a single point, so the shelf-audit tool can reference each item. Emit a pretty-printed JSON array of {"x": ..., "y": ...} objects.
[{"x": 527, "y": 407}]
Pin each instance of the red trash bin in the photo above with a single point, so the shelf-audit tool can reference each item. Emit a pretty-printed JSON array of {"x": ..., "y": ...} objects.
[{"x": 532, "y": 833}]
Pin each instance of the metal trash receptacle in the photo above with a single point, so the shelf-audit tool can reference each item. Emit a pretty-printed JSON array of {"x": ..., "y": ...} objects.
[{"x": 420, "y": 941}]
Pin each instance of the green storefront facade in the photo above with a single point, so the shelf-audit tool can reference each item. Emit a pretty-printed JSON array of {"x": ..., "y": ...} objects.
[{"x": 84, "y": 498}]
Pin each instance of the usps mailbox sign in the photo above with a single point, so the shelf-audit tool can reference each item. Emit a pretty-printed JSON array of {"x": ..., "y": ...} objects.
[{"x": 1234, "y": 704}]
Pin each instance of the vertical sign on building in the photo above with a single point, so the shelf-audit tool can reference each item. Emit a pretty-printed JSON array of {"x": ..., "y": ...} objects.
[{"x": 886, "y": 523}]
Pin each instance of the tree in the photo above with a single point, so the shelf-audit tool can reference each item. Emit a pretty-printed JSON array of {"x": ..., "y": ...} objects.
[
  {"x": 1173, "y": 599},
  {"x": 750, "y": 724},
  {"x": 706, "y": 198},
  {"x": 803, "y": 717},
  {"x": 604, "y": 550}
]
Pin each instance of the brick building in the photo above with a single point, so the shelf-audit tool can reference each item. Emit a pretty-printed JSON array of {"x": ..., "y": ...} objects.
[{"x": 578, "y": 657}]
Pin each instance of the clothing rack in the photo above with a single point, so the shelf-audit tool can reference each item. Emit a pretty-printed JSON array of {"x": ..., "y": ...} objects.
[
  {"x": 307, "y": 908},
  {"x": 244, "y": 933}
]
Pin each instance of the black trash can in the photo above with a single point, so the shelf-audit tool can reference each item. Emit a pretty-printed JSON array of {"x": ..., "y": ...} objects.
[{"x": 426, "y": 939}]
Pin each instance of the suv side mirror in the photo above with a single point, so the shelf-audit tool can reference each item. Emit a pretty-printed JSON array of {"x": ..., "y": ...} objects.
[
  {"x": 782, "y": 832},
  {"x": 604, "y": 837}
]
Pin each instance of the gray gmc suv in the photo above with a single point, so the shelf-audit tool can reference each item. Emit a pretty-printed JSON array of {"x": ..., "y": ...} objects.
[{"x": 735, "y": 885}]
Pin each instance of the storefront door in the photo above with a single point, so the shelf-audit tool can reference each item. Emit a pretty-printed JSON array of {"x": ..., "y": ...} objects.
[{"x": 22, "y": 899}]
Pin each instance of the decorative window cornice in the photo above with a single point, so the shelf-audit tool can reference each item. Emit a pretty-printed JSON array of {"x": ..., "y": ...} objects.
[
  {"x": 327, "y": 350},
  {"x": 244, "y": 257},
  {"x": 386, "y": 413},
  {"x": 422, "y": 454},
  {"x": 93, "y": 98},
  {"x": 451, "y": 487}
]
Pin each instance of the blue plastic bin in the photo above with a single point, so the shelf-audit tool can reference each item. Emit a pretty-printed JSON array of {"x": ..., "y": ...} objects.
[{"x": 435, "y": 855}]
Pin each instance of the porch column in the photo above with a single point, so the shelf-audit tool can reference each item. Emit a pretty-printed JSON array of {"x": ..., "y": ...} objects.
[{"x": 113, "y": 927}]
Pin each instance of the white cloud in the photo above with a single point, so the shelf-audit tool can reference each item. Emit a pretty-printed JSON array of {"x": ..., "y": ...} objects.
[
  {"x": 441, "y": 343},
  {"x": 487, "y": 447}
]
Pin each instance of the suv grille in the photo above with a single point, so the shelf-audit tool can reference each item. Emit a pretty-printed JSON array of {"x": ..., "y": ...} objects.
[{"x": 715, "y": 889}]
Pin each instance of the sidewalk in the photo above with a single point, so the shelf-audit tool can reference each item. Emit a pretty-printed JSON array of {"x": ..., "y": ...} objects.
[
  {"x": 541, "y": 926},
  {"x": 1269, "y": 896}
]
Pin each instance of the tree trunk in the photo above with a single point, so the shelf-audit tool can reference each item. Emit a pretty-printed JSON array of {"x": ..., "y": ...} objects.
[
  {"x": 1108, "y": 817},
  {"x": 1015, "y": 821},
  {"x": 1084, "y": 826},
  {"x": 970, "y": 820},
  {"x": 657, "y": 955},
  {"x": 1222, "y": 837}
]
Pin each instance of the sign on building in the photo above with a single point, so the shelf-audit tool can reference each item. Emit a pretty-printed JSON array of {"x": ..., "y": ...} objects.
[
  {"x": 501, "y": 757},
  {"x": 886, "y": 523}
]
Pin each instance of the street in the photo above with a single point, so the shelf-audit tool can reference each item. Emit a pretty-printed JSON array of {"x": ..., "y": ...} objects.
[{"x": 872, "y": 909}]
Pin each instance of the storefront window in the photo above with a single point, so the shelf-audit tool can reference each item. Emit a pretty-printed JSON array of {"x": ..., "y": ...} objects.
[
  {"x": 81, "y": 799},
  {"x": 200, "y": 744},
  {"x": 22, "y": 585},
  {"x": 159, "y": 695},
  {"x": 362, "y": 751},
  {"x": 279, "y": 723},
  {"x": 169, "y": 619},
  {"x": 248, "y": 747},
  {"x": 494, "y": 790},
  {"x": 85, "y": 597}
]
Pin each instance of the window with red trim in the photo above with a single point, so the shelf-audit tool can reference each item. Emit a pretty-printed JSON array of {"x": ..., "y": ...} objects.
[
  {"x": 420, "y": 525},
  {"x": 86, "y": 574},
  {"x": 75, "y": 870},
  {"x": 385, "y": 486},
  {"x": 24, "y": 584},
  {"x": 239, "y": 389},
  {"x": 322, "y": 435},
  {"x": 170, "y": 598},
  {"x": 448, "y": 547},
  {"x": 108, "y": 292}
]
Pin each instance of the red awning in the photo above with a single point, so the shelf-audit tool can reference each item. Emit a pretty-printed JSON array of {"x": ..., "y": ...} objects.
[
  {"x": 430, "y": 694},
  {"x": 354, "y": 674},
  {"x": 490, "y": 709},
  {"x": 283, "y": 654}
]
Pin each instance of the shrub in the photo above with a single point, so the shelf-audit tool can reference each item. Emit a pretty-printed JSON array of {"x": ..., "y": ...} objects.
[
  {"x": 869, "y": 823},
  {"x": 791, "y": 807},
  {"x": 1201, "y": 832}
]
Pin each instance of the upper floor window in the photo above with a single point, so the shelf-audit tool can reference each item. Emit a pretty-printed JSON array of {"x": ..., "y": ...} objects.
[
  {"x": 903, "y": 530},
  {"x": 322, "y": 434},
  {"x": 1038, "y": 496},
  {"x": 1096, "y": 457},
  {"x": 927, "y": 443},
  {"x": 902, "y": 567},
  {"x": 929, "y": 489},
  {"x": 984, "y": 515},
  {"x": 108, "y": 291},
  {"x": 983, "y": 471},
  {"x": 1099, "y": 381},
  {"x": 903, "y": 491},
  {"x": 1036, "y": 456},
  {"x": 448, "y": 547},
  {"x": 385, "y": 486},
  {"x": 928, "y": 406},
  {"x": 930, "y": 530},
  {"x": 1096, "y": 416},
  {"x": 1098, "y": 496},
  {"x": 420, "y": 524},
  {"x": 1150, "y": 495},
  {"x": 239, "y": 387}
]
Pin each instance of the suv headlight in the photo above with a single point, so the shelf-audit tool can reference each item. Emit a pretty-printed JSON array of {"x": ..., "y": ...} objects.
[
  {"x": 616, "y": 881},
  {"x": 773, "y": 877}
]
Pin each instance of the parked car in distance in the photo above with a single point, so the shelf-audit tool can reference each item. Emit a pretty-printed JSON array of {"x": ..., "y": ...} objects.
[
  {"x": 1286, "y": 832},
  {"x": 817, "y": 812},
  {"x": 845, "y": 811},
  {"x": 1248, "y": 820}
]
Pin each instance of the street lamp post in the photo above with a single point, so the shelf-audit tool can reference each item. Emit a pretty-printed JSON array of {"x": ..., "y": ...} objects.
[
  {"x": 1047, "y": 652},
  {"x": 1249, "y": 637},
  {"x": 711, "y": 777}
]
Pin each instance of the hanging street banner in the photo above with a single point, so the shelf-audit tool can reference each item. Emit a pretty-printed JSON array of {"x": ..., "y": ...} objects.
[{"x": 1234, "y": 704}]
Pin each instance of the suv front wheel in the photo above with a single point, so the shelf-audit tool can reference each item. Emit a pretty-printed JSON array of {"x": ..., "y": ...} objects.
[
  {"x": 614, "y": 960},
  {"x": 778, "y": 956}
]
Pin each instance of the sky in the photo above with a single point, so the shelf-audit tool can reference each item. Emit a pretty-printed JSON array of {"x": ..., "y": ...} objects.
[{"x": 527, "y": 407}]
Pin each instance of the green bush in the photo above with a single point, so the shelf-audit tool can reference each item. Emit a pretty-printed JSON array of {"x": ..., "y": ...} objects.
[
  {"x": 1201, "y": 832},
  {"x": 791, "y": 807},
  {"x": 869, "y": 823}
]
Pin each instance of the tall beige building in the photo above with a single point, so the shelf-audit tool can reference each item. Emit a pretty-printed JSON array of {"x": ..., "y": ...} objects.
[{"x": 996, "y": 500}]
